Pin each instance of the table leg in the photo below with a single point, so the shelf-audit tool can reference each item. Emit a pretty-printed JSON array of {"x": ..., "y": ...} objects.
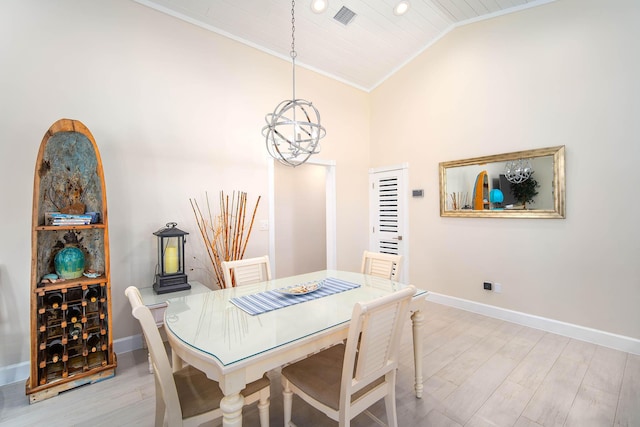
[
  {"x": 176, "y": 362},
  {"x": 231, "y": 406},
  {"x": 417, "y": 319}
]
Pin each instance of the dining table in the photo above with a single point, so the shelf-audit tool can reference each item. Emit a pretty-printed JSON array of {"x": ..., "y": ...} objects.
[{"x": 235, "y": 335}]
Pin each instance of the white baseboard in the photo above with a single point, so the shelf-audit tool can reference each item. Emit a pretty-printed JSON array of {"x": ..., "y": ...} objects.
[
  {"x": 14, "y": 373},
  {"x": 127, "y": 344},
  {"x": 21, "y": 371},
  {"x": 595, "y": 336}
]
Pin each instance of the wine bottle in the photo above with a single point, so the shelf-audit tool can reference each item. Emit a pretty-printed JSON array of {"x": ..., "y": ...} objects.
[
  {"x": 91, "y": 294},
  {"x": 54, "y": 350},
  {"x": 54, "y": 299},
  {"x": 96, "y": 359},
  {"x": 72, "y": 352},
  {"x": 93, "y": 342},
  {"x": 73, "y": 315},
  {"x": 75, "y": 331},
  {"x": 92, "y": 321}
]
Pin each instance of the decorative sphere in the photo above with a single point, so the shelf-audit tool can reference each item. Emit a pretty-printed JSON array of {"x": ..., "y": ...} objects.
[
  {"x": 293, "y": 132},
  {"x": 69, "y": 263},
  {"x": 518, "y": 171}
]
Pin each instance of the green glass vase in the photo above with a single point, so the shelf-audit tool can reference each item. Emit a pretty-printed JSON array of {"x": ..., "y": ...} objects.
[{"x": 69, "y": 262}]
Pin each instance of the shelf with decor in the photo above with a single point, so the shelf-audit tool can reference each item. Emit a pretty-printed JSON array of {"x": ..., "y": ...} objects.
[
  {"x": 71, "y": 332},
  {"x": 68, "y": 227}
]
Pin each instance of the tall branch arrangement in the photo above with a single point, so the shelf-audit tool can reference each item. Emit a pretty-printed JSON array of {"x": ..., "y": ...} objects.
[{"x": 225, "y": 235}]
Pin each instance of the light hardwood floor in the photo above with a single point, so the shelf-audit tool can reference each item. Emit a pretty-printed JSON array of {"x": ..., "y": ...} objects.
[{"x": 479, "y": 371}]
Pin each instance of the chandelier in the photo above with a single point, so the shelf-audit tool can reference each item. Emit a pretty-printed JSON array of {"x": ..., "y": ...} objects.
[
  {"x": 517, "y": 171},
  {"x": 293, "y": 130}
]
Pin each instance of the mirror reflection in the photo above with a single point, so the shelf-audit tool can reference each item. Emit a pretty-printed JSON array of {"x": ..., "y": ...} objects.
[{"x": 526, "y": 184}]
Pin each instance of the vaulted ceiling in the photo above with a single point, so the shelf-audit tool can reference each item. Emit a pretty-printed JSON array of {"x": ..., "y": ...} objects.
[{"x": 363, "y": 53}]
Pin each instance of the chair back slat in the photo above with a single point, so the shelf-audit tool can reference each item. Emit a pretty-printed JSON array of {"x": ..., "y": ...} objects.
[
  {"x": 373, "y": 340},
  {"x": 381, "y": 265},
  {"x": 376, "y": 341},
  {"x": 246, "y": 271}
]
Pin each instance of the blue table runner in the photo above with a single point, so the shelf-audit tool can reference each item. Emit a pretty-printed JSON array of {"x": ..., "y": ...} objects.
[{"x": 263, "y": 302}]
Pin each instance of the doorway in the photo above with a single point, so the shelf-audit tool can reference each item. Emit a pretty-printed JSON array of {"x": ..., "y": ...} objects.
[
  {"x": 388, "y": 213},
  {"x": 302, "y": 237}
]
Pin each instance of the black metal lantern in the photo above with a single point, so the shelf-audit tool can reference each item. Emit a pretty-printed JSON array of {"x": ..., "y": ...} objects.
[{"x": 170, "y": 275}]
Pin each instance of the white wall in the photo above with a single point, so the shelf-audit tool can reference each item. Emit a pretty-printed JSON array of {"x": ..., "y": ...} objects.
[
  {"x": 565, "y": 73},
  {"x": 176, "y": 111}
]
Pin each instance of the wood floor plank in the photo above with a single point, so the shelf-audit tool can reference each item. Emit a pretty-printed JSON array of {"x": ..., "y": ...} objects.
[
  {"x": 592, "y": 407},
  {"x": 628, "y": 412},
  {"x": 436, "y": 418},
  {"x": 471, "y": 360},
  {"x": 580, "y": 351},
  {"x": 462, "y": 403},
  {"x": 525, "y": 422},
  {"x": 504, "y": 406},
  {"x": 453, "y": 342},
  {"x": 438, "y": 359},
  {"x": 439, "y": 388},
  {"x": 606, "y": 370},
  {"x": 535, "y": 366},
  {"x": 596, "y": 401},
  {"x": 552, "y": 401}
]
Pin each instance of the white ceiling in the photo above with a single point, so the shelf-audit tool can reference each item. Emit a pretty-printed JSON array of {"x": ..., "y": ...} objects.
[{"x": 363, "y": 54}]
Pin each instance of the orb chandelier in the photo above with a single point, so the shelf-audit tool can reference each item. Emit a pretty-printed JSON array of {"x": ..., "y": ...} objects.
[
  {"x": 293, "y": 130},
  {"x": 517, "y": 171}
]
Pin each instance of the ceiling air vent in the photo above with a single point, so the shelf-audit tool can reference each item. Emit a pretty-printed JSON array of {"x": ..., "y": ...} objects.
[{"x": 345, "y": 15}]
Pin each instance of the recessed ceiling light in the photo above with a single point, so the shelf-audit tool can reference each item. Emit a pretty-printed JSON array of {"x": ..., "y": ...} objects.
[
  {"x": 401, "y": 8},
  {"x": 319, "y": 6}
]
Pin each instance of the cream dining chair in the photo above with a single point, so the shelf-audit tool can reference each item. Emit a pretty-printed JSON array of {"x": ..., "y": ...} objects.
[
  {"x": 381, "y": 265},
  {"x": 246, "y": 271},
  {"x": 346, "y": 379},
  {"x": 187, "y": 397}
]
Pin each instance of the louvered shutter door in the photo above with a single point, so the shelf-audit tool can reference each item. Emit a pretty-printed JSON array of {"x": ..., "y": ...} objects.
[{"x": 388, "y": 220}]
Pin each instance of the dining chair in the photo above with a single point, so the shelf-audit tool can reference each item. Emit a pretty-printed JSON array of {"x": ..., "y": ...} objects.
[
  {"x": 246, "y": 271},
  {"x": 187, "y": 397},
  {"x": 381, "y": 265},
  {"x": 344, "y": 380}
]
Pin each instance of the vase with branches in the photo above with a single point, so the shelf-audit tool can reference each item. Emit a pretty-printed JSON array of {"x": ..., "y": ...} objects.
[{"x": 226, "y": 234}]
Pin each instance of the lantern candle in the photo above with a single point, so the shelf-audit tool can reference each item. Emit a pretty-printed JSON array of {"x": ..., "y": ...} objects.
[{"x": 171, "y": 260}]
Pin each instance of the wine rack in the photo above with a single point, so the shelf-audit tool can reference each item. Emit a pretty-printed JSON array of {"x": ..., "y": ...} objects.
[{"x": 71, "y": 334}]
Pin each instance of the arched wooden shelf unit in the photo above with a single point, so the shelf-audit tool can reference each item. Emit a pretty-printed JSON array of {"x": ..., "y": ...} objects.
[{"x": 71, "y": 333}]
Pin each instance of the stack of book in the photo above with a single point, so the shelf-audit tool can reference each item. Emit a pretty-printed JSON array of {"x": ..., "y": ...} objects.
[{"x": 57, "y": 218}]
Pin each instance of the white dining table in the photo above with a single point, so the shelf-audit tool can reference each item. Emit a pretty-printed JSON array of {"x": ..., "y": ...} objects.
[{"x": 233, "y": 347}]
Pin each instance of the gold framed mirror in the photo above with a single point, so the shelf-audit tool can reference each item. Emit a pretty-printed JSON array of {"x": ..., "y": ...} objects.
[{"x": 522, "y": 184}]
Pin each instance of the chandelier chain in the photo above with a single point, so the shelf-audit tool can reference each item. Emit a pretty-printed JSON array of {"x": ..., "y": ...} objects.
[
  {"x": 293, "y": 130},
  {"x": 293, "y": 30},
  {"x": 293, "y": 51}
]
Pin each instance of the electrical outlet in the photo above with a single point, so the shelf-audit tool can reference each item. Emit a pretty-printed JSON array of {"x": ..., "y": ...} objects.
[
  {"x": 264, "y": 224},
  {"x": 497, "y": 288},
  {"x": 487, "y": 286}
]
